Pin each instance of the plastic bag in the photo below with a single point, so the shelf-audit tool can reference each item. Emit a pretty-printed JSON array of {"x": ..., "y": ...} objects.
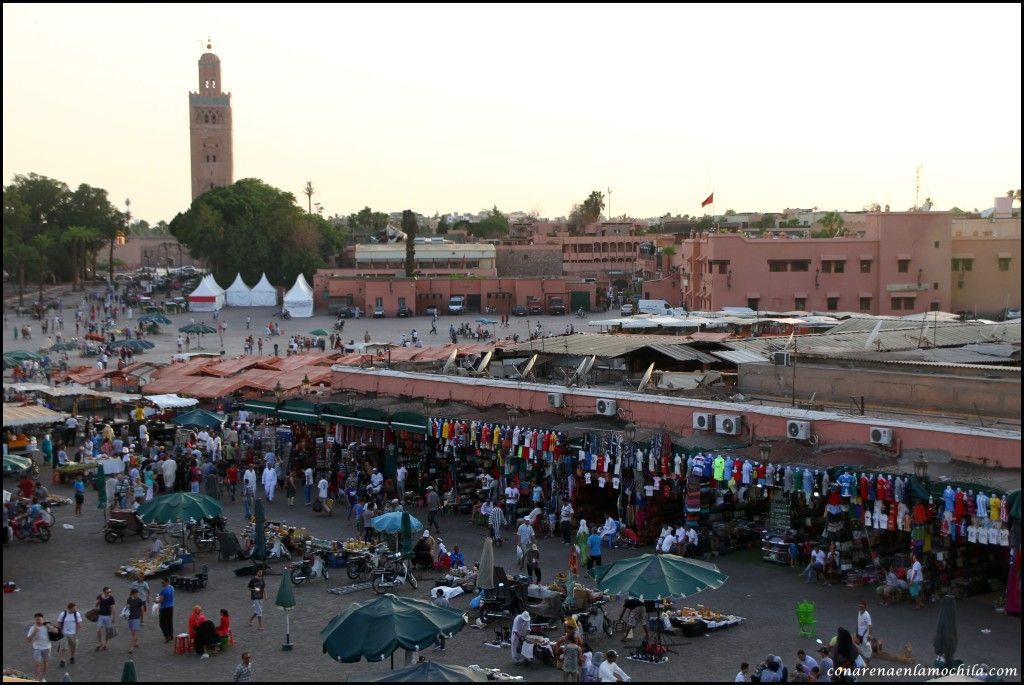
[{"x": 155, "y": 610}]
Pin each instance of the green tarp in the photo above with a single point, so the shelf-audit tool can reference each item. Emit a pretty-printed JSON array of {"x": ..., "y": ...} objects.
[{"x": 260, "y": 406}]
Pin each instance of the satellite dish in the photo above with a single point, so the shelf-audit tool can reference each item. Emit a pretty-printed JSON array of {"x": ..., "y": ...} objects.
[
  {"x": 647, "y": 378},
  {"x": 874, "y": 334},
  {"x": 451, "y": 361},
  {"x": 486, "y": 360},
  {"x": 529, "y": 367}
]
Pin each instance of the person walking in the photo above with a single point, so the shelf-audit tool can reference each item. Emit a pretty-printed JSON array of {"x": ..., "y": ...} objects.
[
  {"x": 142, "y": 587},
  {"x": 441, "y": 601},
  {"x": 243, "y": 671},
  {"x": 433, "y": 508},
  {"x": 39, "y": 637},
  {"x": 400, "y": 477},
  {"x": 289, "y": 488},
  {"x": 165, "y": 598},
  {"x": 269, "y": 482},
  {"x": 533, "y": 562},
  {"x": 79, "y": 494},
  {"x": 565, "y": 520},
  {"x": 136, "y": 608},
  {"x": 257, "y": 589},
  {"x": 307, "y": 488},
  {"x": 495, "y": 520},
  {"x": 594, "y": 543},
  {"x": 863, "y": 622},
  {"x": 70, "y": 622},
  {"x": 525, "y": 535},
  {"x": 105, "y": 602}
]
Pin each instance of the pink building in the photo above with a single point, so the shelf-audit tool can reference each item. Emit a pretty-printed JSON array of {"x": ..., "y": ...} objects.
[{"x": 898, "y": 264}]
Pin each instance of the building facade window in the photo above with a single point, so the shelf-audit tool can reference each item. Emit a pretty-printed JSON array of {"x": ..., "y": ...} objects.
[
  {"x": 865, "y": 304},
  {"x": 865, "y": 266},
  {"x": 964, "y": 264},
  {"x": 800, "y": 304},
  {"x": 777, "y": 265},
  {"x": 800, "y": 265},
  {"x": 903, "y": 265},
  {"x": 902, "y": 304},
  {"x": 378, "y": 302},
  {"x": 935, "y": 306},
  {"x": 753, "y": 302},
  {"x": 1004, "y": 263},
  {"x": 833, "y": 266},
  {"x": 832, "y": 304}
]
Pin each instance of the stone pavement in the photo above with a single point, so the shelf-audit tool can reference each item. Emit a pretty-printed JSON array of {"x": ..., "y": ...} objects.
[{"x": 75, "y": 565}]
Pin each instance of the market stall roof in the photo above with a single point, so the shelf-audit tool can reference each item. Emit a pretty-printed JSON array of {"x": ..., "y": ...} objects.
[
  {"x": 26, "y": 387},
  {"x": 30, "y": 415},
  {"x": 409, "y": 421},
  {"x": 260, "y": 406},
  {"x": 298, "y": 410},
  {"x": 171, "y": 401}
]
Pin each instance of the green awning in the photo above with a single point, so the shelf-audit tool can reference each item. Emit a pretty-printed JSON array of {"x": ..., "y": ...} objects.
[
  {"x": 336, "y": 412},
  {"x": 260, "y": 406},
  {"x": 409, "y": 421},
  {"x": 299, "y": 410}
]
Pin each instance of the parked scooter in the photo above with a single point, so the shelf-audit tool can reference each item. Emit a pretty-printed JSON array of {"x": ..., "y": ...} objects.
[
  {"x": 118, "y": 529},
  {"x": 312, "y": 565},
  {"x": 394, "y": 573}
]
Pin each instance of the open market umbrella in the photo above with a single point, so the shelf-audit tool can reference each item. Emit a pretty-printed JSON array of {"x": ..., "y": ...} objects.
[
  {"x": 133, "y": 345},
  {"x": 128, "y": 674},
  {"x": 945, "y": 640},
  {"x": 259, "y": 535},
  {"x": 485, "y": 576},
  {"x": 155, "y": 317},
  {"x": 65, "y": 346},
  {"x": 319, "y": 331},
  {"x": 487, "y": 322},
  {"x": 179, "y": 506},
  {"x": 427, "y": 672},
  {"x": 286, "y": 600},
  {"x": 197, "y": 328},
  {"x": 391, "y": 522},
  {"x": 374, "y": 629},
  {"x": 200, "y": 417},
  {"x": 653, "y": 576}
]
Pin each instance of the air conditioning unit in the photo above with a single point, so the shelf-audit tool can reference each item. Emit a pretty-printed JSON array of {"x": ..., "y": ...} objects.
[
  {"x": 703, "y": 421},
  {"x": 881, "y": 436},
  {"x": 780, "y": 358},
  {"x": 728, "y": 424},
  {"x": 798, "y": 430},
  {"x": 606, "y": 408},
  {"x": 555, "y": 400}
]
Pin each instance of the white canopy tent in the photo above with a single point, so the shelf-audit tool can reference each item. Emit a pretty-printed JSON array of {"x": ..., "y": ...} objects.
[
  {"x": 171, "y": 401},
  {"x": 299, "y": 300},
  {"x": 207, "y": 297},
  {"x": 263, "y": 294},
  {"x": 239, "y": 294}
]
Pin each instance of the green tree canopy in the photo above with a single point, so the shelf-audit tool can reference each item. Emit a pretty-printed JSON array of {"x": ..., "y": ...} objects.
[
  {"x": 250, "y": 227},
  {"x": 494, "y": 226},
  {"x": 410, "y": 227}
]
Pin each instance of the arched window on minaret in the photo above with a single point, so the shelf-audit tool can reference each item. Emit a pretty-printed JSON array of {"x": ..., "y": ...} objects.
[{"x": 206, "y": 118}]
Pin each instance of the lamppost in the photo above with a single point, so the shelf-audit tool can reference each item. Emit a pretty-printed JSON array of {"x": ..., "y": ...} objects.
[
  {"x": 429, "y": 404},
  {"x": 921, "y": 468},
  {"x": 630, "y": 431},
  {"x": 305, "y": 384},
  {"x": 765, "y": 448},
  {"x": 513, "y": 415},
  {"x": 278, "y": 392}
]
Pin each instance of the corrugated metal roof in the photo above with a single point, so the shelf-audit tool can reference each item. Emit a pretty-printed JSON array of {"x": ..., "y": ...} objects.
[
  {"x": 740, "y": 356},
  {"x": 682, "y": 353},
  {"x": 16, "y": 415},
  {"x": 586, "y": 344}
]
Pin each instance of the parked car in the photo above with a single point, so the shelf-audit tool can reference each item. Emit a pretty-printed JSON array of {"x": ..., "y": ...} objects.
[
  {"x": 404, "y": 311},
  {"x": 378, "y": 312},
  {"x": 457, "y": 304},
  {"x": 519, "y": 310},
  {"x": 556, "y": 306},
  {"x": 350, "y": 313},
  {"x": 1009, "y": 314},
  {"x": 627, "y": 309},
  {"x": 432, "y": 311}
]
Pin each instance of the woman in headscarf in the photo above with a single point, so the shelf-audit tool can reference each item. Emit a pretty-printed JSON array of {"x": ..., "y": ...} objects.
[
  {"x": 582, "y": 533},
  {"x": 520, "y": 629}
]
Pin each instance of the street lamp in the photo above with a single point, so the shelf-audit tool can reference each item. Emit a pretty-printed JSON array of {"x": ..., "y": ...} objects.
[
  {"x": 305, "y": 384},
  {"x": 429, "y": 403},
  {"x": 513, "y": 415},
  {"x": 278, "y": 392},
  {"x": 630, "y": 431},
  {"x": 765, "y": 448},
  {"x": 921, "y": 468}
]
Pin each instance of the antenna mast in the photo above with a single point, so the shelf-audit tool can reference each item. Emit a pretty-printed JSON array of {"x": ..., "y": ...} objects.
[{"x": 917, "y": 188}]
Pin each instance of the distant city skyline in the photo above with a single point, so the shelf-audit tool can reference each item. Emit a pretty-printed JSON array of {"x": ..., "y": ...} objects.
[{"x": 458, "y": 108}]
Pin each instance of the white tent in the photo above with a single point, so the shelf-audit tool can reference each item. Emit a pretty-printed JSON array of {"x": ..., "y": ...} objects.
[
  {"x": 207, "y": 297},
  {"x": 299, "y": 300},
  {"x": 239, "y": 294},
  {"x": 264, "y": 294}
]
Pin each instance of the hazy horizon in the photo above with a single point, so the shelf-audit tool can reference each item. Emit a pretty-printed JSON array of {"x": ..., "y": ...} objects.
[{"x": 458, "y": 108}]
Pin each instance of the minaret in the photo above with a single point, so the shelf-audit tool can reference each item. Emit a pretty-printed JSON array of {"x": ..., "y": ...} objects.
[{"x": 210, "y": 129}]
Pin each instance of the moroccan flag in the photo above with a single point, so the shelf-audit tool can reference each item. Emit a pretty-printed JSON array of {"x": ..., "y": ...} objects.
[{"x": 710, "y": 199}]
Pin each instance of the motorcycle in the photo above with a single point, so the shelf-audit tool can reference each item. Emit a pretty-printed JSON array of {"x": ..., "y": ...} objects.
[
  {"x": 359, "y": 566},
  {"x": 118, "y": 529},
  {"x": 339, "y": 325},
  {"x": 312, "y": 565},
  {"x": 580, "y": 314},
  {"x": 26, "y": 531},
  {"x": 394, "y": 573},
  {"x": 594, "y": 620}
]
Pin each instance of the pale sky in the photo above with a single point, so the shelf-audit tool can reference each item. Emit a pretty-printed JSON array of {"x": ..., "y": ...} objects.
[{"x": 457, "y": 108}]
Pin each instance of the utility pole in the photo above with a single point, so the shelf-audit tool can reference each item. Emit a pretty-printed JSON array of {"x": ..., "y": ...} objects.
[{"x": 610, "y": 215}]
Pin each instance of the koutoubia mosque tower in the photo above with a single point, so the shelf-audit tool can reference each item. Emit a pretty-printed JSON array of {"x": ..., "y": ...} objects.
[{"x": 210, "y": 129}]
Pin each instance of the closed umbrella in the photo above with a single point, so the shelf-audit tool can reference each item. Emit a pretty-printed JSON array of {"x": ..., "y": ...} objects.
[
  {"x": 428, "y": 672},
  {"x": 945, "y": 632},
  {"x": 128, "y": 674},
  {"x": 406, "y": 533},
  {"x": 318, "y": 331},
  {"x": 653, "y": 576},
  {"x": 179, "y": 506},
  {"x": 391, "y": 522},
  {"x": 485, "y": 576},
  {"x": 286, "y": 600},
  {"x": 259, "y": 548},
  {"x": 374, "y": 629}
]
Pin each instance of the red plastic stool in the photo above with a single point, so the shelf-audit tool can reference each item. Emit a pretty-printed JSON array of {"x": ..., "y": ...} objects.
[{"x": 182, "y": 644}]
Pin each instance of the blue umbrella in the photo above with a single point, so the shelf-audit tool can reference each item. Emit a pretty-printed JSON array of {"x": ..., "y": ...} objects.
[
  {"x": 489, "y": 322},
  {"x": 392, "y": 522}
]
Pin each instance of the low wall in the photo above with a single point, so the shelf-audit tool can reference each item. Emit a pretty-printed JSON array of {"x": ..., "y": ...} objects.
[
  {"x": 994, "y": 447},
  {"x": 952, "y": 394}
]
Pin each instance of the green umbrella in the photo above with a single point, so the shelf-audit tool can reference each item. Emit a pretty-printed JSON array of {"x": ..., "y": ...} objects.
[
  {"x": 65, "y": 346},
  {"x": 128, "y": 672},
  {"x": 259, "y": 549},
  {"x": 178, "y": 507},
  {"x": 200, "y": 417},
  {"x": 133, "y": 345},
  {"x": 406, "y": 533},
  {"x": 197, "y": 328},
  {"x": 22, "y": 355},
  {"x": 653, "y": 576},
  {"x": 374, "y": 629},
  {"x": 485, "y": 575},
  {"x": 318, "y": 331},
  {"x": 155, "y": 317},
  {"x": 286, "y": 600},
  {"x": 392, "y": 522},
  {"x": 428, "y": 672}
]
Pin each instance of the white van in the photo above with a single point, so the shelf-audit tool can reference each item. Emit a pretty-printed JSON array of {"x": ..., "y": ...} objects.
[{"x": 659, "y": 307}]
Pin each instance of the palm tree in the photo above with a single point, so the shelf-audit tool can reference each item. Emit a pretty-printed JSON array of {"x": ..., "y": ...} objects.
[
  {"x": 833, "y": 222},
  {"x": 80, "y": 240},
  {"x": 308, "y": 192}
]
